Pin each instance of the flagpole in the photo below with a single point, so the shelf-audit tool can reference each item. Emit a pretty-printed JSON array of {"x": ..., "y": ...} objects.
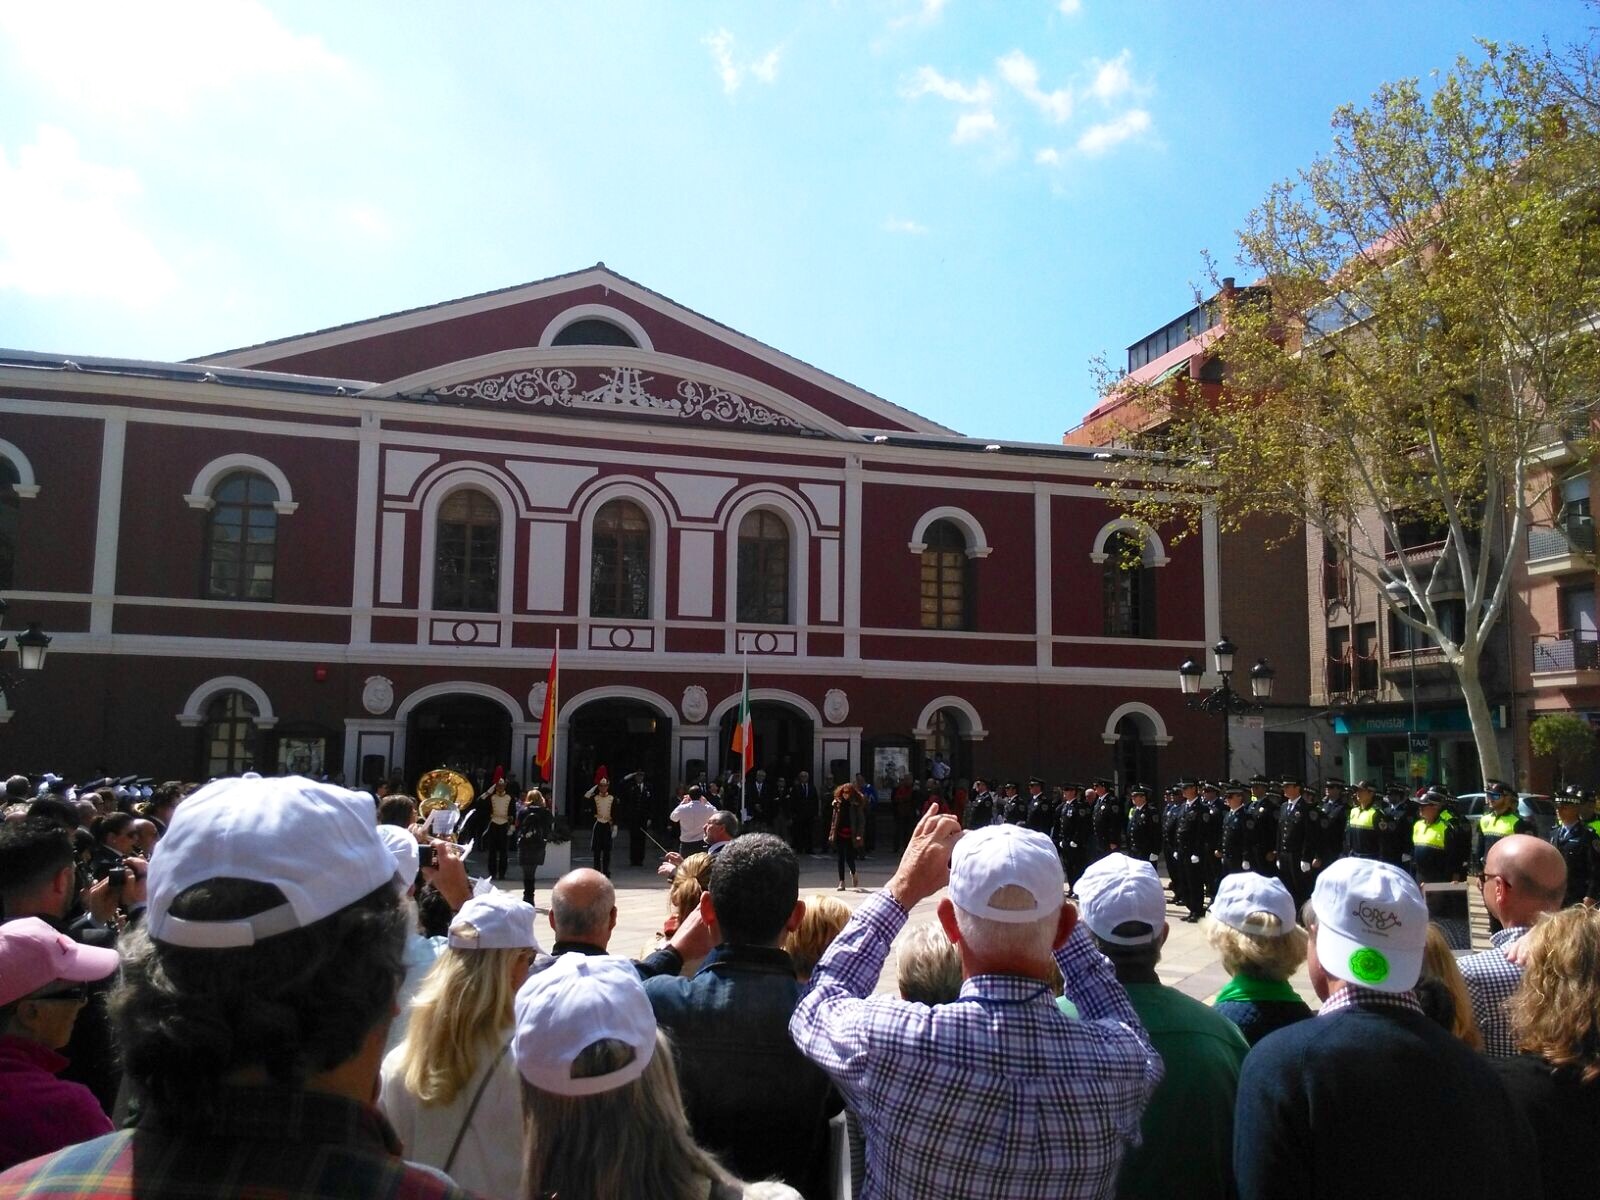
[
  {"x": 555, "y": 685},
  {"x": 744, "y": 754}
]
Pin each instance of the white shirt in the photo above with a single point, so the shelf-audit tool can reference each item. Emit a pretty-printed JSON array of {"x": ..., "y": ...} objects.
[
  {"x": 489, "y": 1160},
  {"x": 691, "y": 817}
]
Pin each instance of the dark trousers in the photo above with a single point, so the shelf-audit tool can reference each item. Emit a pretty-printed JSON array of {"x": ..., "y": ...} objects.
[
  {"x": 635, "y": 846},
  {"x": 497, "y": 845},
  {"x": 600, "y": 847},
  {"x": 846, "y": 846},
  {"x": 802, "y": 828},
  {"x": 1075, "y": 862},
  {"x": 904, "y": 823},
  {"x": 1192, "y": 888}
]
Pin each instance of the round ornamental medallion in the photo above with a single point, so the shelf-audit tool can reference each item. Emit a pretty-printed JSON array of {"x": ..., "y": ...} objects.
[
  {"x": 695, "y": 704},
  {"x": 377, "y": 695},
  {"x": 536, "y": 696},
  {"x": 766, "y": 643},
  {"x": 621, "y": 638},
  {"x": 464, "y": 631},
  {"x": 835, "y": 706}
]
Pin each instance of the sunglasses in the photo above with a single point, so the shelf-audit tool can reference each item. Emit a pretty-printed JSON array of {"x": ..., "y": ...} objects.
[{"x": 77, "y": 994}]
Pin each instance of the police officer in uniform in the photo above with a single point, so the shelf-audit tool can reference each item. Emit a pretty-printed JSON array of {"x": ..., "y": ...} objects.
[
  {"x": 1294, "y": 847},
  {"x": 1580, "y": 849},
  {"x": 1366, "y": 823},
  {"x": 1013, "y": 805},
  {"x": 1500, "y": 819},
  {"x": 1110, "y": 818},
  {"x": 1192, "y": 843},
  {"x": 1265, "y": 801},
  {"x": 1216, "y": 810},
  {"x": 1041, "y": 814},
  {"x": 980, "y": 808},
  {"x": 1170, "y": 812},
  {"x": 1330, "y": 824},
  {"x": 1143, "y": 838},
  {"x": 1237, "y": 847},
  {"x": 1074, "y": 834}
]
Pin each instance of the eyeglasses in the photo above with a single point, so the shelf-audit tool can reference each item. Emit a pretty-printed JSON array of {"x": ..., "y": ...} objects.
[
  {"x": 1486, "y": 876},
  {"x": 76, "y": 994}
]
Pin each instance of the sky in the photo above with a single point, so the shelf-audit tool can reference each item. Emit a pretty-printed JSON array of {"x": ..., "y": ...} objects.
[{"x": 955, "y": 204}]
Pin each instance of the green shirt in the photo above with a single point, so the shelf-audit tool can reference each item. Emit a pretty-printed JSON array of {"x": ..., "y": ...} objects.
[{"x": 1190, "y": 1116}]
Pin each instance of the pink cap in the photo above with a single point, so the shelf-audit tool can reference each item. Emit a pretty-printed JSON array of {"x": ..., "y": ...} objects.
[{"x": 33, "y": 956}]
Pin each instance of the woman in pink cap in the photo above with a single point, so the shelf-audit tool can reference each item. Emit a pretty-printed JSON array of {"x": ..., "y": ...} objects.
[{"x": 42, "y": 974}]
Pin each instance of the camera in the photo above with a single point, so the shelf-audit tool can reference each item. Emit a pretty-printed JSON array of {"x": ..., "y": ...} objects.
[
  {"x": 427, "y": 856},
  {"x": 117, "y": 875}
]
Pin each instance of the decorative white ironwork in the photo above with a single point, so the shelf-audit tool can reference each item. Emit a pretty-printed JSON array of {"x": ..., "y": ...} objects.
[{"x": 620, "y": 387}]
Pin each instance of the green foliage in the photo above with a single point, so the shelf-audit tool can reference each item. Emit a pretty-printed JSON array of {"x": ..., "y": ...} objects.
[{"x": 1565, "y": 737}]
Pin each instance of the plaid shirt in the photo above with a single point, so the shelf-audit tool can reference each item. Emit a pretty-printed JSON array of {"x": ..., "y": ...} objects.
[
  {"x": 1491, "y": 978},
  {"x": 1354, "y": 996},
  {"x": 996, "y": 1095},
  {"x": 260, "y": 1143}
]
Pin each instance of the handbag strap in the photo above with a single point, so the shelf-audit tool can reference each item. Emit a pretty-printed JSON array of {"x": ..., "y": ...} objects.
[{"x": 473, "y": 1108}]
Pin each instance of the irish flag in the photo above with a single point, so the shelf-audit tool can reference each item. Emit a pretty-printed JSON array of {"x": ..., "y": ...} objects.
[
  {"x": 546, "y": 752},
  {"x": 744, "y": 740}
]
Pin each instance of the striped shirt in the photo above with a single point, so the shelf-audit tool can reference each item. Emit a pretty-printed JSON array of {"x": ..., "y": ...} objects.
[{"x": 997, "y": 1094}]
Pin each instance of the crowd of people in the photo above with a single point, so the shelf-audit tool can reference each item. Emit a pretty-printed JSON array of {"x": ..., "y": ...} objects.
[{"x": 279, "y": 987}]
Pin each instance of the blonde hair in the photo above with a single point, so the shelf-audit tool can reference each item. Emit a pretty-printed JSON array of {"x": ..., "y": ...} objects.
[
  {"x": 631, "y": 1141},
  {"x": 1555, "y": 1013},
  {"x": 928, "y": 969},
  {"x": 824, "y": 917},
  {"x": 1439, "y": 962},
  {"x": 1275, "y": 953},
  {"x": 688, "y": 882},
  {"x": 462, "y": 1010}
]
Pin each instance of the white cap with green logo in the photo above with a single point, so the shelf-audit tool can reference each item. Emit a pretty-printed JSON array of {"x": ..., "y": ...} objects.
[{"x": 1372, "y": 924}]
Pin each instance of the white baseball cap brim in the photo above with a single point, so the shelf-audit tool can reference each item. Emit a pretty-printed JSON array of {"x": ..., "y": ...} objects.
[{"x": 999, "y": 856}]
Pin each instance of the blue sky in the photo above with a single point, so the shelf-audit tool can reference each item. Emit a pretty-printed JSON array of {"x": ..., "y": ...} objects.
[{"x": 954, "y": 204}]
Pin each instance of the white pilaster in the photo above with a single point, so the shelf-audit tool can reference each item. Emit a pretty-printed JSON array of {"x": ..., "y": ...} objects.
[
  {"x": 366, "y": 547},
  {"x": 108, "y": 524},
  {"x": 852, "y": 557},
  {"x": 1043, "y": 585}
]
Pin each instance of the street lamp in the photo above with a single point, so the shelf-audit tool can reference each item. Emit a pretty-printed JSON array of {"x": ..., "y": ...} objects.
[
  {"x": 1223, "y": 698},
  {"x": 32, "y": 644}
]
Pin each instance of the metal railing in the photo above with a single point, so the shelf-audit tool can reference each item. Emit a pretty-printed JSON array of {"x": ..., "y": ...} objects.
[
  {"x": 1568, "y": 650},
  {"x": 1568, "y": 535}
]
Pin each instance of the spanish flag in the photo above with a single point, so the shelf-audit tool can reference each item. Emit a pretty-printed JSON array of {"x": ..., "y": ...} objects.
[
  {"x": 545, "y": 755},
  {"x": 744, "y": 740}
]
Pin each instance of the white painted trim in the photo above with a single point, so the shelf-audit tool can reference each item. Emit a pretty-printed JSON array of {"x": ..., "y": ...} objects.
[
  {"x": 1134, "y": 708},
  {"x": 613, "y": 488},
  {"x": 1043, "y": 581},
  {"x": 194, "y": 708},
  {"x": 603, "y": 312},
  {"x": 617, "y": 691},
  {"x": 977, "y": 542},
  {"x": 25, "y": 476},
  {"x": 459, "y": 687},
  {"x": 1154, "y": 552},
  {"x": 363, "y": 569},
  {"x": 1211, "y": 569},
  {"x": 108, "y": 522},
  {"x": 794, "y": 516},
  {"x": 772, "y": 695},
  {"x": 436, "y": 490},
  {"x": 6, "y": 711},
  {"x": 974, "y": 723},
  {"x": 735, "y": 499},
  {"x": 213, "y": 471},
  {"x": 851, "y": 516}
]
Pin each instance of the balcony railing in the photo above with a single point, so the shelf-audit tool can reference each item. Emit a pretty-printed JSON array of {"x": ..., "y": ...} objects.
[
  {"x": 1366, "y": 672},
  {"x": 1339, "y": 675},
  {"x": 1417, "y": 555},
  {"x": 1335, "y": 583},
  {"x": 1569, "y": 650},
  {"x": 1565, "y": 536}
]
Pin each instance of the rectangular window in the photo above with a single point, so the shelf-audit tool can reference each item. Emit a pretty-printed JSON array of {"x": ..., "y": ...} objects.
[
  {"x": 1338, "y": 652},
  {"x": 1367, "y": 656}
]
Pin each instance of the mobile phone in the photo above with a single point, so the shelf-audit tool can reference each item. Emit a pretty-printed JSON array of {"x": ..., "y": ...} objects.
[
  {"x": 427, "y": 856},
  {"x": 117, "y": 876}
]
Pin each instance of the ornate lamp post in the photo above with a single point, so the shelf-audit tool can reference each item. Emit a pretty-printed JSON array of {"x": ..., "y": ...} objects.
[
  {"x": 1223, "y": 698},
  {"x": 32, "y": 644}
]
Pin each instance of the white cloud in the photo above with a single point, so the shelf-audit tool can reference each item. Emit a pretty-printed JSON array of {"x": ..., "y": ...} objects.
[
  {"x": 1097, "y": 139},
  {"x": 65, "y": 228},
  {"x": 904, "y": 225},
  {"x": 133, "y": 58},
  {"x": 1112, "y": 79},
  {"x": 1070, "y": 8},
  {"x": 928, "y": 82},
  {"x": 975, "y": 126},
  {"x": 731, "y": 71},
  {"x": 1047, "y": 157},
  {"x": 1020, "y": 71},
  {"x": 927, "y": 13}
]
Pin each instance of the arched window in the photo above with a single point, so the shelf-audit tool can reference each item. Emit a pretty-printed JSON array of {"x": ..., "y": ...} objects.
[
  {"x": 241, "y": 538},
  {"x": 229, "y": 745},
  {"x": 763, "y": 568},
  {"x": 593, "y": 331},
  {"x": 466, "y": 567},
  {"x": 946, "y": 578},
  {"x": 619, "y": 562},
  {"x": 1130, "y": 588},
  {"x": 10, "y": 522}
]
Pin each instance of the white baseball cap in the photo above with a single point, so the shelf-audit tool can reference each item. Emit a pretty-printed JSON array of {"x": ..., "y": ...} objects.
[
  {"x": 316, "y": 843},
  {"x": 494, "y": 921},
  {"x": 402, "y": 843},
  {"x": 1372, "y": 924},
  {"x": 1119, "y": 889},
  {"x": 997, "y": 856},
  {"x": 580, "y": 1000},
  {"x": 1244, "y": 896}
]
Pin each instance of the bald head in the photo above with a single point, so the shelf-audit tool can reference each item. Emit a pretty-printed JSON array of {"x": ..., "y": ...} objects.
[
  {"x": 583, "y": 908},
  {"x": 1530, "y": 877}
]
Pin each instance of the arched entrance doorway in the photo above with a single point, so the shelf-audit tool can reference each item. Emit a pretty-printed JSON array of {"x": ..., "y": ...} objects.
[
  {"x": 623, "y": 736},
  {"x": 945, "y": 730},
  {"x": 784, "y": 738},
  {"x": 469, "y": 734},
  {"x": 1135, "y": 752}
]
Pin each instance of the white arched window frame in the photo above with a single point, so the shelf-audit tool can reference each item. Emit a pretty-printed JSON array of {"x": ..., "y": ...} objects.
[
  {"x": 977, "y": 541},
  {"x": 1133, "y": 708},
  {"x": 1155, "y": 552},
  {"x": 194, "y": 709},
  {"x": 27, "y": 485},
  {"x": 971, "y": 723},
  {"x": 219, "y": 468},
  {"x": 437, "y": 491},
  {"x": 655, "y": 509},
  {"x": 595, "y": 312},
  {"x": 793, "y": 515}
]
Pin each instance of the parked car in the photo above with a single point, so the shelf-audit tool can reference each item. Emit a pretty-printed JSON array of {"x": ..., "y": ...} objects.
[{"x": 1531, "y": 806}]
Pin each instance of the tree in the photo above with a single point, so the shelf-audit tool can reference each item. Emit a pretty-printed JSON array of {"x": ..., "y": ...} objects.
[
  {"x": 1565, "y": 737},
  {"x": 1428, "y": 295}
]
